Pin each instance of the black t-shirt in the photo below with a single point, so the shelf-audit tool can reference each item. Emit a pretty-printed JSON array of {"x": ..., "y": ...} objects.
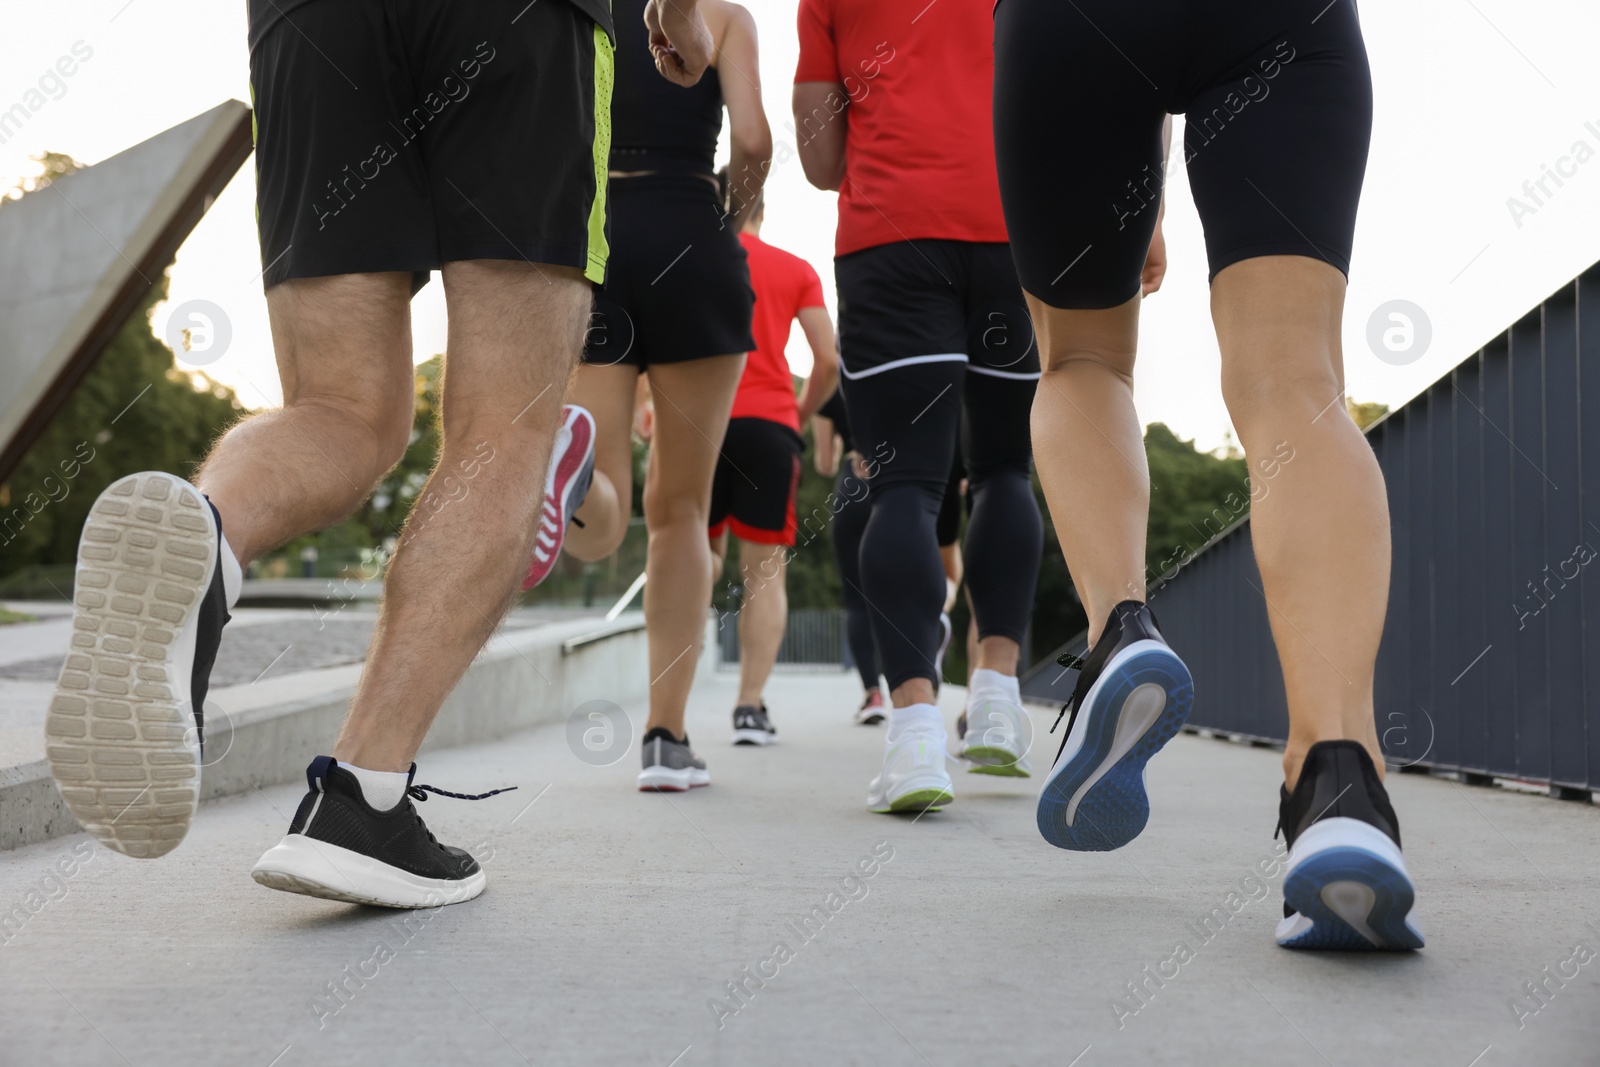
[
  {"x": 265, "y": 14},
  {"x": 834, "y": 410}
]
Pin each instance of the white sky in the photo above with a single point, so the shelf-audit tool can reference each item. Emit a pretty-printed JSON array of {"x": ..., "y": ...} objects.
[{"x": 1474, "y": 98}]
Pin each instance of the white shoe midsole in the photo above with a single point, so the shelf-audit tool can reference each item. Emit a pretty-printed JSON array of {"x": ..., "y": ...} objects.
[{"x": 363, "y": 877}]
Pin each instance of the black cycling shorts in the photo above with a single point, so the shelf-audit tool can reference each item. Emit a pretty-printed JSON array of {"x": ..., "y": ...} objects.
[
  {"x": 1278, "y": 100},
  {"x": 679, "y": 283},
  {"x": 758, "y": 477},
  {"x": 405, "y": 135}
]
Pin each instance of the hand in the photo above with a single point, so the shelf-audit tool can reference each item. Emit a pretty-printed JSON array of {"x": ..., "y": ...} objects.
[
  {"x": 1155, "y": 263},
  {"x": 679, "y": 41}
]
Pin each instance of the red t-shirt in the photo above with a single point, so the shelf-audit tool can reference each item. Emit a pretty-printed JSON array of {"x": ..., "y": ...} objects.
[
  {"x": 784, "y": 284},
  {"x": 919, "y": 145}
]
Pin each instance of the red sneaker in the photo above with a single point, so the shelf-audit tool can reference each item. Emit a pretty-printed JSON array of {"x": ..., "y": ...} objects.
[{"x": 571, "y": 470}]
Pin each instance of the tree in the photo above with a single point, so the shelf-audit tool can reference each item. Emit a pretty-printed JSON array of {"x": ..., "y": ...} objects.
[
  {"x": 134, "y": 411},
  {"x": 1366, "y": 413}
]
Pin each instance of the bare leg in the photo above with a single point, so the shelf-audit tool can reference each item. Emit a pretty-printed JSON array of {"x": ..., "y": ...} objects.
[
  {"x": 998, "y": 654},
  {"x": 763, "y": 616},
  {"x": 344, "y": 358},
  {"x": 1090, "y": 451},
  {"x": 692, "y": 402},
  {"x": 1320, "y": 519},
  {"x": 515, "y": 331},
  {"x": 607, "y": 392}
]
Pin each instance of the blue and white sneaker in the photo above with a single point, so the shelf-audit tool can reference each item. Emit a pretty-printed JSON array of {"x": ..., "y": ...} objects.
[
  {"x": 1133, "y": 694},
  {"x": 1347, "y": 886}
]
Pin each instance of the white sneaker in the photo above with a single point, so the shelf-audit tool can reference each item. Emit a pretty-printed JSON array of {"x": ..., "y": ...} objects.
[
  {"x": 913, "y": 776},
  {"x": 996, "y": 734}
]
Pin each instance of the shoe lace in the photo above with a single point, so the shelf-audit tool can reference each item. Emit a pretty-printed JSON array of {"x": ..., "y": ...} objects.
[
  {"x": 420, "y": 793},
  {"x": 1071, "y": 663}
]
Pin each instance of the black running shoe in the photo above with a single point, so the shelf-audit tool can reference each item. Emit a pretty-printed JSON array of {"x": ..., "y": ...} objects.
[
  {"x": 1347, "y": 885},
  {"x": 1132, "y": 696},
  {"x": 123, "y": 734},
  {"x": 340, "y": 848},
  {"x": 752, "y": 726}
]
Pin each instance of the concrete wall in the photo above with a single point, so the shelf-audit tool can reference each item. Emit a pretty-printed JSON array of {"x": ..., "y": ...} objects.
[{"x": 522, "y": 679}]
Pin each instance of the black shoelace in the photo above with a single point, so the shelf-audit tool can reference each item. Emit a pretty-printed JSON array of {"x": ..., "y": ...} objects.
[
  {"x": 420, "y": 792},
  {"x": 1071, "y": 663}
]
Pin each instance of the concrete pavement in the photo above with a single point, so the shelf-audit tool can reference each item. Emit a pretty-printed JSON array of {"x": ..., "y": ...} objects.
[{"x": 615, "y": 922}]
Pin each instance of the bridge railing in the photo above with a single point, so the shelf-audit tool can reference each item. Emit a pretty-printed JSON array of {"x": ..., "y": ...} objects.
[{"x": 1490, "y": 662}]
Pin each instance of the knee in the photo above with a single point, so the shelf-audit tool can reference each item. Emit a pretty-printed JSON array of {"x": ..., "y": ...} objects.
[
  {"x": 1277, "y": 391},
  {"x": 664, "y": 509},
  {"x": 379, "y": 426}
]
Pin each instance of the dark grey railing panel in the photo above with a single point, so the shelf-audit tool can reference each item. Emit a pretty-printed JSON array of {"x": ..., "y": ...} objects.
[{"x": 1490, "y": 661}]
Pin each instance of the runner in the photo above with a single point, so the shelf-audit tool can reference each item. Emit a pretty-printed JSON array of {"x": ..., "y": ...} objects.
[
  {"x": 491, "y": 135},
  {"x": 676, "y": 306},
  {"x": 837, "y": 454},
  {"x": 892, "y": 108},
  {"x": 1277, "y": 187},
  {"x": 754, "y": 496}
]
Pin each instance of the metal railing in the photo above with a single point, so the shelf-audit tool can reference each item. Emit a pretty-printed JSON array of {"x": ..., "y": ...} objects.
[
  {"x": 814, "y": 637},
  {"x": 1490, "y": 662}
]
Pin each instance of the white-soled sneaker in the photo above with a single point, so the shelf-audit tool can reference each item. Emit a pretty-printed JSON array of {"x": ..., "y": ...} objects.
[
  {"x": 913, "y": 777},
  {"x": 670, "y": 765},
  {"x": 341, "y": 848},
  {"x": 124, "y": 730},
  {"x": 996, "y": 734}
]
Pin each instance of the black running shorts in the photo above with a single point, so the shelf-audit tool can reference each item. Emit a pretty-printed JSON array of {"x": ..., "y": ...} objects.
[
  {"x": 1278, "y": 100},
  {"x": 933, "y": 301},
  {"x": 679, "y": 284},
  {"x": 400, "y": 135},
  {"x": 758, "y": 476}
]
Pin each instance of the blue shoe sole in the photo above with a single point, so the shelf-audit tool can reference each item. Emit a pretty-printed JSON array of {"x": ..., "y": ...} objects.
[
  {"x": 1355, "y": 872},
  {"x": 1115, "y": 809}
]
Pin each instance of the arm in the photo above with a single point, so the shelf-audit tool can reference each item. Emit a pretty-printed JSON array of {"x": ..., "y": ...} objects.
[
  {"x": 749, "y": 136},
  {"x": 680, "y": 43},
  {"x": 824, "y": 377},
  {"x": 826, "y": 458},
  {"x": 1155, "y": 263},
  {"x": 820, "y": 123}
]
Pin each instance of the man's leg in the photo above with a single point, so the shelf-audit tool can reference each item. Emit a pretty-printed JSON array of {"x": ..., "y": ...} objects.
[
  {"x": 1321, "y": 524},
  {"x": 692, "y": 403},
  {"x": 762, "y": 617},
  {"x": 344, "y": 357},
  {"x": 515, "y": 331}
]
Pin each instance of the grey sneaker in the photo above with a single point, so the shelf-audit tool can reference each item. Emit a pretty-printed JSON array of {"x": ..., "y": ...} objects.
[
  {"x": 752, "y": 726},
  {"x": 670, "y": 765}
]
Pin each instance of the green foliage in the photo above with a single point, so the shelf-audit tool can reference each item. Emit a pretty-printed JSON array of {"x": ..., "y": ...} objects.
[
  {"x": 1194, "y": 496},
  {"x": 1365, "y": 413},
  {"x": 134, "y": 411}
]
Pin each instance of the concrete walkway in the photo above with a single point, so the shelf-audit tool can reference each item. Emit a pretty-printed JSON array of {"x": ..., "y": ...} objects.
[{"x": 614, "y": 923}]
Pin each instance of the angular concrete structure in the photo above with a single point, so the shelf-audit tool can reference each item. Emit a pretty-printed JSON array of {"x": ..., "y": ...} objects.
[{"x": 77, "y": 258}]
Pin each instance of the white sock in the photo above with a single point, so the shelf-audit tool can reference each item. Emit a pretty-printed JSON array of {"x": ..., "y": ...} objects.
[
  {"x": 992, "y": 685},
  {"x": 382, "y": 789},
  {"x": 232, "y": 574},
  {"x": 914, "y": 716}
]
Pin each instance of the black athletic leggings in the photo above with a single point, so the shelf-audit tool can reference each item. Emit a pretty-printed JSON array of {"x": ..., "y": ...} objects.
[
  {"x": 1278, "y": 100},
  {"x": 849, "y": 522},
  {"x": 938, "y": 353}
]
